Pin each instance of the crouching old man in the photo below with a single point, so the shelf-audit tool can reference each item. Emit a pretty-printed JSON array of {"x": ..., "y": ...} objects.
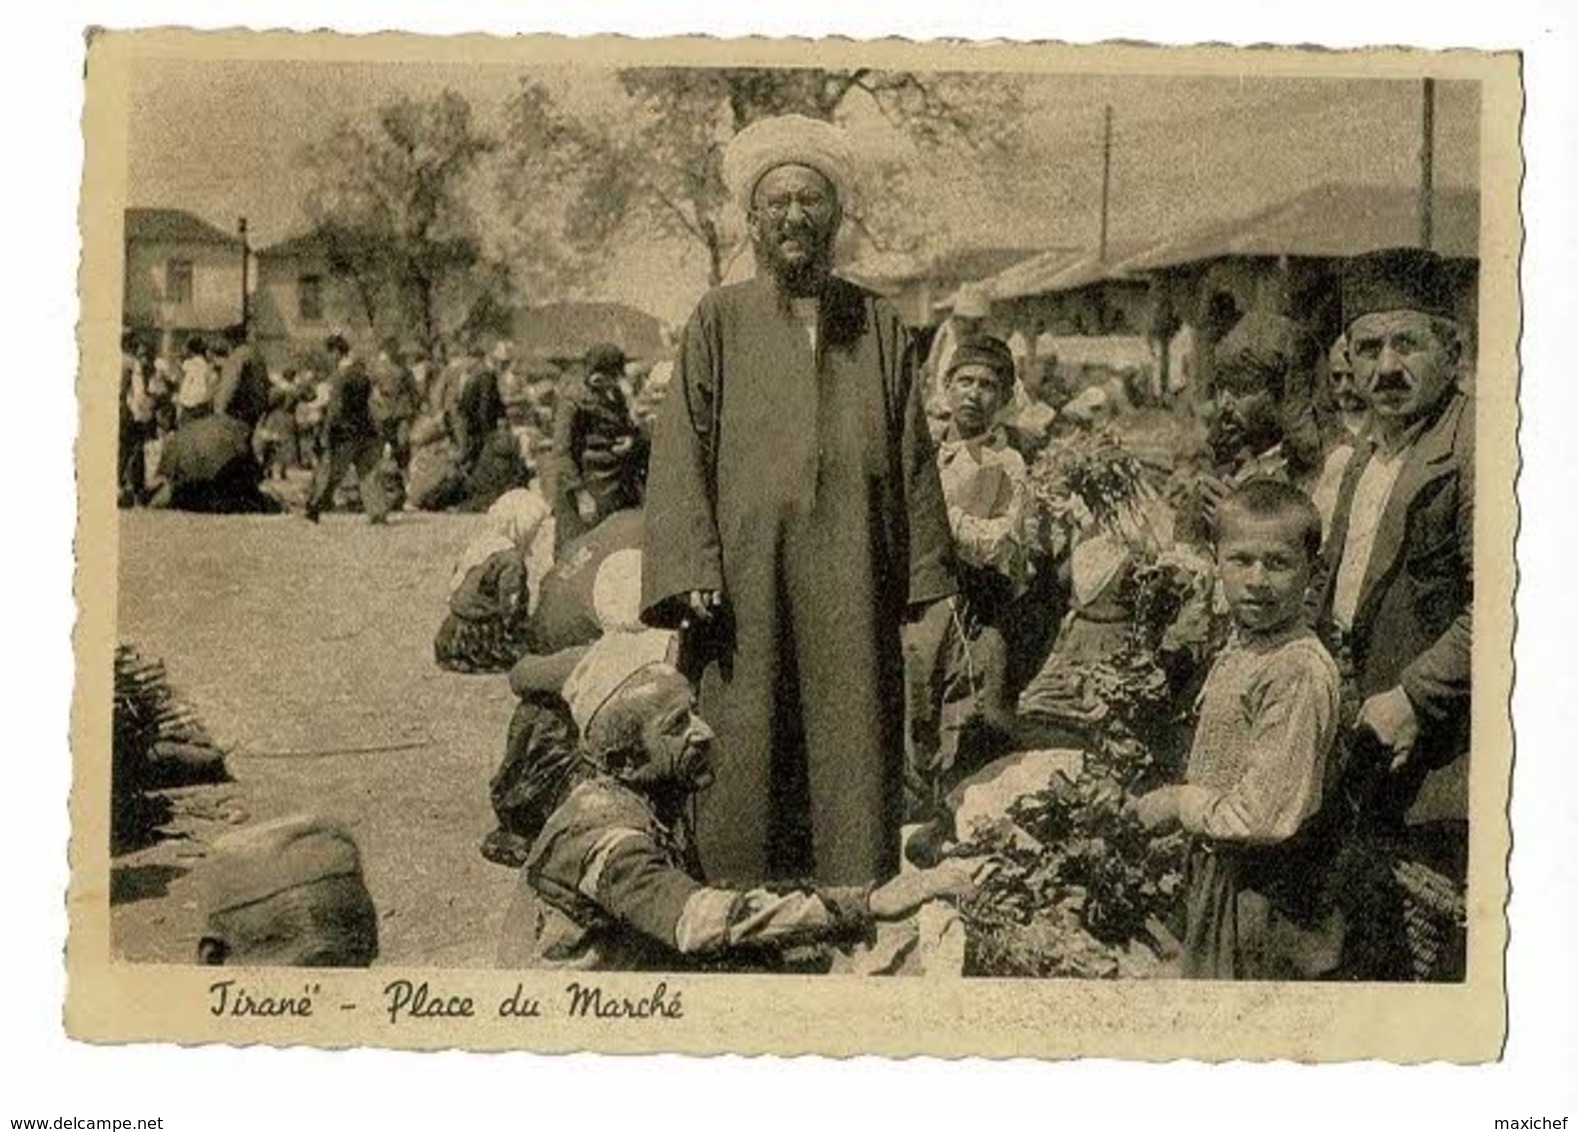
[
  {"x": 287, "y": 893},
  {"x": 613, "y": 881}
]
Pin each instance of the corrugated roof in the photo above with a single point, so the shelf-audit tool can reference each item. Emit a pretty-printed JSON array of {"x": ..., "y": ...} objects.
[
  {"x": 1332, "y": 221},
  {"x": 1058, "y": 269},
  {"x": 174, "y": 226},
  {"x": 880, "y": 270},
  {"x": 977, "y": 262},
  {"x": 570, "y": 329}
]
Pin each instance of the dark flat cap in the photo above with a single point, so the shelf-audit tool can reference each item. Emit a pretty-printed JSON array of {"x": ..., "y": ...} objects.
[
  {"x": 1396, "y": 279},
  {"x": 605, "y": 358},
  {"x": 983, "y": 350}
]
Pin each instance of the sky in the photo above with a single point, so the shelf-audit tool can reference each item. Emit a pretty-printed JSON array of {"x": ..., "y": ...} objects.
[{"x": 222, "y": 139}]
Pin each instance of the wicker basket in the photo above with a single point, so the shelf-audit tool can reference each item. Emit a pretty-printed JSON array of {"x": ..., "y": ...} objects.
[{"x": 1435, "y": 914}]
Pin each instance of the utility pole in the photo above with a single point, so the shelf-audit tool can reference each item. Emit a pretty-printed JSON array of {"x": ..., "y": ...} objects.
[
  {"x": 1427, "y": 163},
  {"x": 1106, "y": 179},
  {"x": 241, "y": 227}
]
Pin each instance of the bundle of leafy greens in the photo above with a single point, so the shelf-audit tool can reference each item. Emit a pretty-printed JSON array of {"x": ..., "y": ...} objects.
[
  {"x": 1081, "y": 890},
  {"x": 1078, "y": 882},
  {"x": 1088, "y": 481}
]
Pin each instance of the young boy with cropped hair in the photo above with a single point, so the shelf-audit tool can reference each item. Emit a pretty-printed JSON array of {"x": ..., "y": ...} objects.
[{"x": 1257, "y": 771}]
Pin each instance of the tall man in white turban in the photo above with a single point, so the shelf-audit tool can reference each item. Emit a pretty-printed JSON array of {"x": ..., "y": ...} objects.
[{"x": 794, "y": 519}]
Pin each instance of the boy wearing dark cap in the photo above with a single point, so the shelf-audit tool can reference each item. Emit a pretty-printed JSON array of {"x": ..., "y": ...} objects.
[{"x": 984, "y": 484}]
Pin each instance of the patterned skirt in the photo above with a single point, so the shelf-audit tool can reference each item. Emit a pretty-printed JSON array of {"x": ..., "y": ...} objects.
[{"x": 467, "y": 645}]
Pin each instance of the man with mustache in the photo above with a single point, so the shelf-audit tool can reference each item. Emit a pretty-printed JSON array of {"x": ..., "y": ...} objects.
[
  {"x": 1261, "y": 429},
  {"x": 1352, "y": 416},
  {"x": 794, "y": 519},
  {"x": 1396, "y": 602}
]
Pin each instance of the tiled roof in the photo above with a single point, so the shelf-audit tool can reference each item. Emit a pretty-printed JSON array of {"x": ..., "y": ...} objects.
[{"x": 172, "y": 225}]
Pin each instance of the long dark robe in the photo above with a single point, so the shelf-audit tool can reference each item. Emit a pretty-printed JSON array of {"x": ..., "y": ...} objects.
[{"x": 803, "y": 487}]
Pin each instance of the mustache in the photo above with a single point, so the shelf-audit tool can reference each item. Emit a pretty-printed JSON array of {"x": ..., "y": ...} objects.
[
  {"x": 796, "y": 229},
  {"x": 1392, "y": 382}
]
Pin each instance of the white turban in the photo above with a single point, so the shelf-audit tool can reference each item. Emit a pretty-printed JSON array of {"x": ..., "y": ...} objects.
[
  {"x": 790, "y": 139},
  {"x": 609, "y": 664},
  {"x": 616, "y": 591}
]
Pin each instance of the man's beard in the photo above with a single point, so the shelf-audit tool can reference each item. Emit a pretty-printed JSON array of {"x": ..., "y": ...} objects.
[
  {"x": 1232, "y": 440},
  {"x": 799, "y": 278}
]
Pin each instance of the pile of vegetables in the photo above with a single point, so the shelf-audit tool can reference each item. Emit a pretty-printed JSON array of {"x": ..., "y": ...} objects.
[{"x": 1080, "y": 889}]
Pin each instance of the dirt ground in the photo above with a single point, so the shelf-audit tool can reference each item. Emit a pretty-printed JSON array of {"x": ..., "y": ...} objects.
[{"x": 296, "y": 643}]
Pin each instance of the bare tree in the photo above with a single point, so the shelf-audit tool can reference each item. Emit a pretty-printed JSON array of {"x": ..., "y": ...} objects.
[{"x": 655, "y": 165}]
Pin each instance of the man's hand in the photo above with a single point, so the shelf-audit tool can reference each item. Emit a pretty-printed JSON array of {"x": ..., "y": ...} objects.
[
  {"x": 1390, "y": 717},
  {"x": 585, "y": 506},
  {"x": 1157, "y": 809},
  {"x": 951, "y": 880},
  {"x": 1212, "y": 491},
  {"x": 704, "y": 604}
]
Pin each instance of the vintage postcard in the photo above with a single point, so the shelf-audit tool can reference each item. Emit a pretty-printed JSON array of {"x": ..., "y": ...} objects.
[{"x": 795, "y": 547}]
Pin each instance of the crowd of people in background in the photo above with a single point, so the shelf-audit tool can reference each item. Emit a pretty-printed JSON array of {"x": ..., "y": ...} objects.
[
  {"x": 397, "y": 427},
  {"x": 732, "y": 597}
]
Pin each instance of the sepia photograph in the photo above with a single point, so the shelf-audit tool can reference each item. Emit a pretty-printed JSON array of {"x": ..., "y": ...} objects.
[{"x": 694, "y": 531}]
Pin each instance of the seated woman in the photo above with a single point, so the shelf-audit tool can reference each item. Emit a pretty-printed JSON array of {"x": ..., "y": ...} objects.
[
  {"x": 612, "y": 881},
  {"x": 1139, "y": 596},
  {"x": 207, "y": 465},
  {"x": 594, "y": 588},
  {"x": 485, "y": 630}
]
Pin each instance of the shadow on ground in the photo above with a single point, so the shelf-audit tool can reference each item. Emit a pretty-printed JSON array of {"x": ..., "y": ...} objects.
[{"x": 131, "y": 883}]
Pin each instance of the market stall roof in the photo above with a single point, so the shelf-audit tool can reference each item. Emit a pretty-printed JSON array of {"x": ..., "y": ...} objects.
[
  {"x": 881, "y": 270},
  {"x": 1031, "y": 276},
  {"x": 568, "y": 329},
  {"x": 1331, "y": 221},
  {"x": 1059, "y": 269}
]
